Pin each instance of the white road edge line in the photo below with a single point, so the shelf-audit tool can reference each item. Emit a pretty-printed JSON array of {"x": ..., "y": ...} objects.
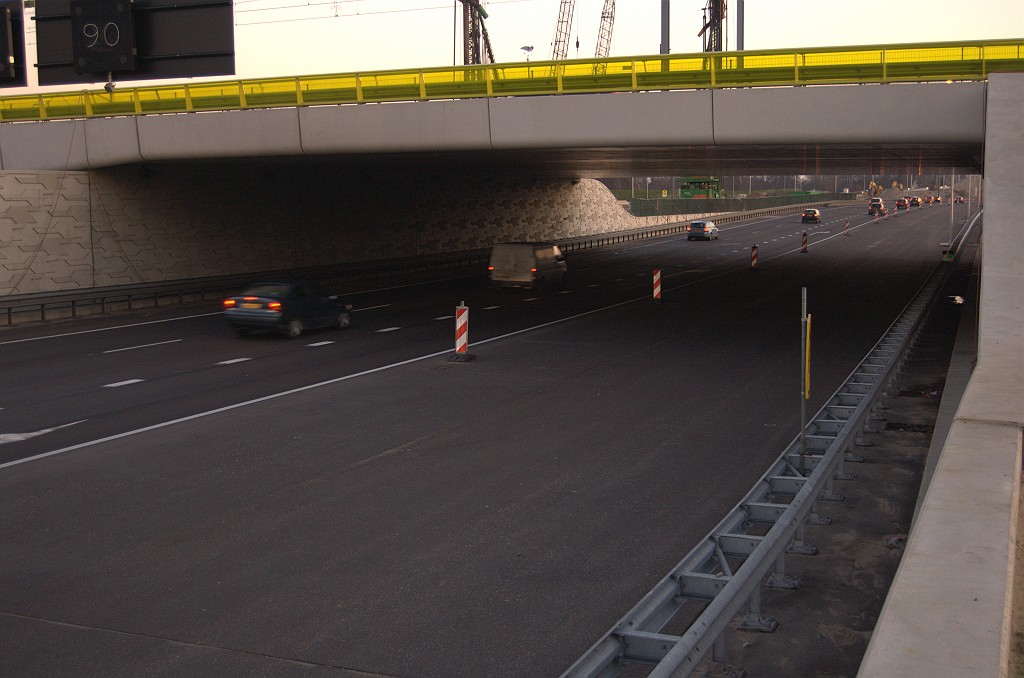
[{"x": 132, "y": 348}]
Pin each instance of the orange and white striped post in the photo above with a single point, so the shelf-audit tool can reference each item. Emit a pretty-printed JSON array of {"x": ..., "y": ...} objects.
[
  {"x": 876, "y": 217},
  {"x": 657, "y": 284},
  {"x": 461, "y": 335},
  {"x": 803, "y": 247},
  {"x": 846, "y": 228},
  {"x": 753, "y": 258}
]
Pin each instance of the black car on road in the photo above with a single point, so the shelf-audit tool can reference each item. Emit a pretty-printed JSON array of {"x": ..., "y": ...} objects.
[
  {"x": 286, "y": 306},
  {"x": 811, "y": 217}
]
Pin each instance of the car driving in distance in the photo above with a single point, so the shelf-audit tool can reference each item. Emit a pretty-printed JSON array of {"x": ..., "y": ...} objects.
[
  {"x": 537, "y": 265},
  {"x": 876, "y": 206},
  {"x": 902, "y": 204},
  {"x": 811, "y": 217},
  {"x": 701, "y": 230},
  {"x": 915, "y": 201},
  {"x": 287, "y": 306}
]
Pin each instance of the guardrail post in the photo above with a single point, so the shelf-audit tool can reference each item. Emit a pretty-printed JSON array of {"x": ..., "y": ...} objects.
[
  {"x": 754, "y": 620},
  {"x": 299, "y": 101},
  {"x": 779, "y": 579}
]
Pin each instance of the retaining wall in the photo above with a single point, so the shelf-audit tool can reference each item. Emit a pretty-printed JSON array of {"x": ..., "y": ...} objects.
[{"x": 75, "y": 230}]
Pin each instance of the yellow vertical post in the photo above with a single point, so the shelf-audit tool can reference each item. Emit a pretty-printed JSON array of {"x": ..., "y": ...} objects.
[
  {"x": 188, "y": 99},
  {"x": 632, "y": 69},
  {"x": 884, "y": 68},
  {"x": 87, "y": 104},
  {"x": 42, "y": 108},
  {"x": 136, "y": 101},
  {"x": 796, "y": 69},
  {"x": 241, "y": 94},
  {"x": 558, "y": 78},
  {"x": 359, "y": 89},
  {"x": 423, "y": 86},
  {"x": 298, "y": 92},
  {"x": 490, "y": 81}
]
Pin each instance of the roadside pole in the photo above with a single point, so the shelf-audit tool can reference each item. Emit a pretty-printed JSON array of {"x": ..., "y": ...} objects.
[{"x": 805, "y": 364}]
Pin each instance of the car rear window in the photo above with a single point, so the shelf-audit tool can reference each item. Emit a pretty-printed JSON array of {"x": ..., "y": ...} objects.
[{"x": 266, "y": 291}]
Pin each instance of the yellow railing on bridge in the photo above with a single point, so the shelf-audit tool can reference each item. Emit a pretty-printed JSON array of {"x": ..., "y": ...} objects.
[{"x": 762, "y": 68}]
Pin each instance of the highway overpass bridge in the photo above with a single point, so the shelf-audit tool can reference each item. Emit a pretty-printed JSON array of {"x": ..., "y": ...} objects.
[{"x": 146, "y": 182}]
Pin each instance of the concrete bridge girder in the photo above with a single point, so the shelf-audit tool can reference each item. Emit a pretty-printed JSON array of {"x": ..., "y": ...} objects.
[{"x": 895, "y": 128}]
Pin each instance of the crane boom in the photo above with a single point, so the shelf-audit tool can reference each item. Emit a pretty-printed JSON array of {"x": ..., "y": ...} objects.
[
  {"x": 604, "y": 32},
  {"x": 563, "y": 29}
]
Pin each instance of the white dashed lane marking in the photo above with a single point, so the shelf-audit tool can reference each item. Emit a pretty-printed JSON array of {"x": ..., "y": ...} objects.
[
  {"x": 233, "y": 361},
  {"x": 320, "y": 343},
  {"x": 118, "y": 384},
  {"x": 388, "y": 329}
]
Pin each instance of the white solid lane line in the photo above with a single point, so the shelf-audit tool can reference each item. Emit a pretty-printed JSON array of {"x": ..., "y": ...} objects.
[
  {"x": 320, "y": 343},
  {"x": 132, "y": 348},
  {"x": 233, "y": 361},
  {"x": 444, "y": 317},
  {"x": 388, "y": 329},
  {"x": 108, "y": 329},
  {"x": 117, "y": 384}
]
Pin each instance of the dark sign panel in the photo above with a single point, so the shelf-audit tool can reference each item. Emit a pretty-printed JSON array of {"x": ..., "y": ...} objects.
[
  {"x": 140, "y": 40},
  {"x": 12, "y": 44},
  {"x": 102, "y": 36}
]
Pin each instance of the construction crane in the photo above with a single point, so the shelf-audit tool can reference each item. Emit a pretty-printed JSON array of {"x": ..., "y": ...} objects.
[
  {"x": 604, "y": 32},
  {"x": 714, "y": 18},
  {"x": 563, "y": 28},
  {"x": 476, "y": 42}
]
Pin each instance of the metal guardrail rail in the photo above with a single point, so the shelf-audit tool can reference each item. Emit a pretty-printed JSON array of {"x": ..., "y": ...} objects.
[
  {"x": 69, "y": 303},
  {"x": 920, "y": 62},
  {"x": 748, "y": 548}
]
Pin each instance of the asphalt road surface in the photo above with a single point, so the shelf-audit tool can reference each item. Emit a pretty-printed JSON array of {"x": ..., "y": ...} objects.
[{"x": 179, "y": 500}]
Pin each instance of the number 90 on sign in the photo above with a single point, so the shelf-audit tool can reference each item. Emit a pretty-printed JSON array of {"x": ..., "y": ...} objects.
[{"x": 102, "y": 36}]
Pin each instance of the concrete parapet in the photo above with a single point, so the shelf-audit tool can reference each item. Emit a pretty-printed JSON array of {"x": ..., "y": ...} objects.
[{"x": 948, "y": 611}]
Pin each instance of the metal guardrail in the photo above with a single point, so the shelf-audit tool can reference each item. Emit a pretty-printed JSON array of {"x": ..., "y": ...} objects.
[
  {"x": 920, "y": 62},
  {"x": 69, "y": 303},
  {"x": 725, "y": 571}
]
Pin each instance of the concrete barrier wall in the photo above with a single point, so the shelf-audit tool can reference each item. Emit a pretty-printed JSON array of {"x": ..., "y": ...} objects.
[
  {"x": 74, "y": 230},
  {"x": 949, "y": 607}
]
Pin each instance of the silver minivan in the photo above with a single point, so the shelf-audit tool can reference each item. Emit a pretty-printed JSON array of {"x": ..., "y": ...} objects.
[{"x": 526, "y": 264}]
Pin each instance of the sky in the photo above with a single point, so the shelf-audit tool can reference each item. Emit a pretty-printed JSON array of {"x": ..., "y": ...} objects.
[{"x": 305, "y": 37}]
